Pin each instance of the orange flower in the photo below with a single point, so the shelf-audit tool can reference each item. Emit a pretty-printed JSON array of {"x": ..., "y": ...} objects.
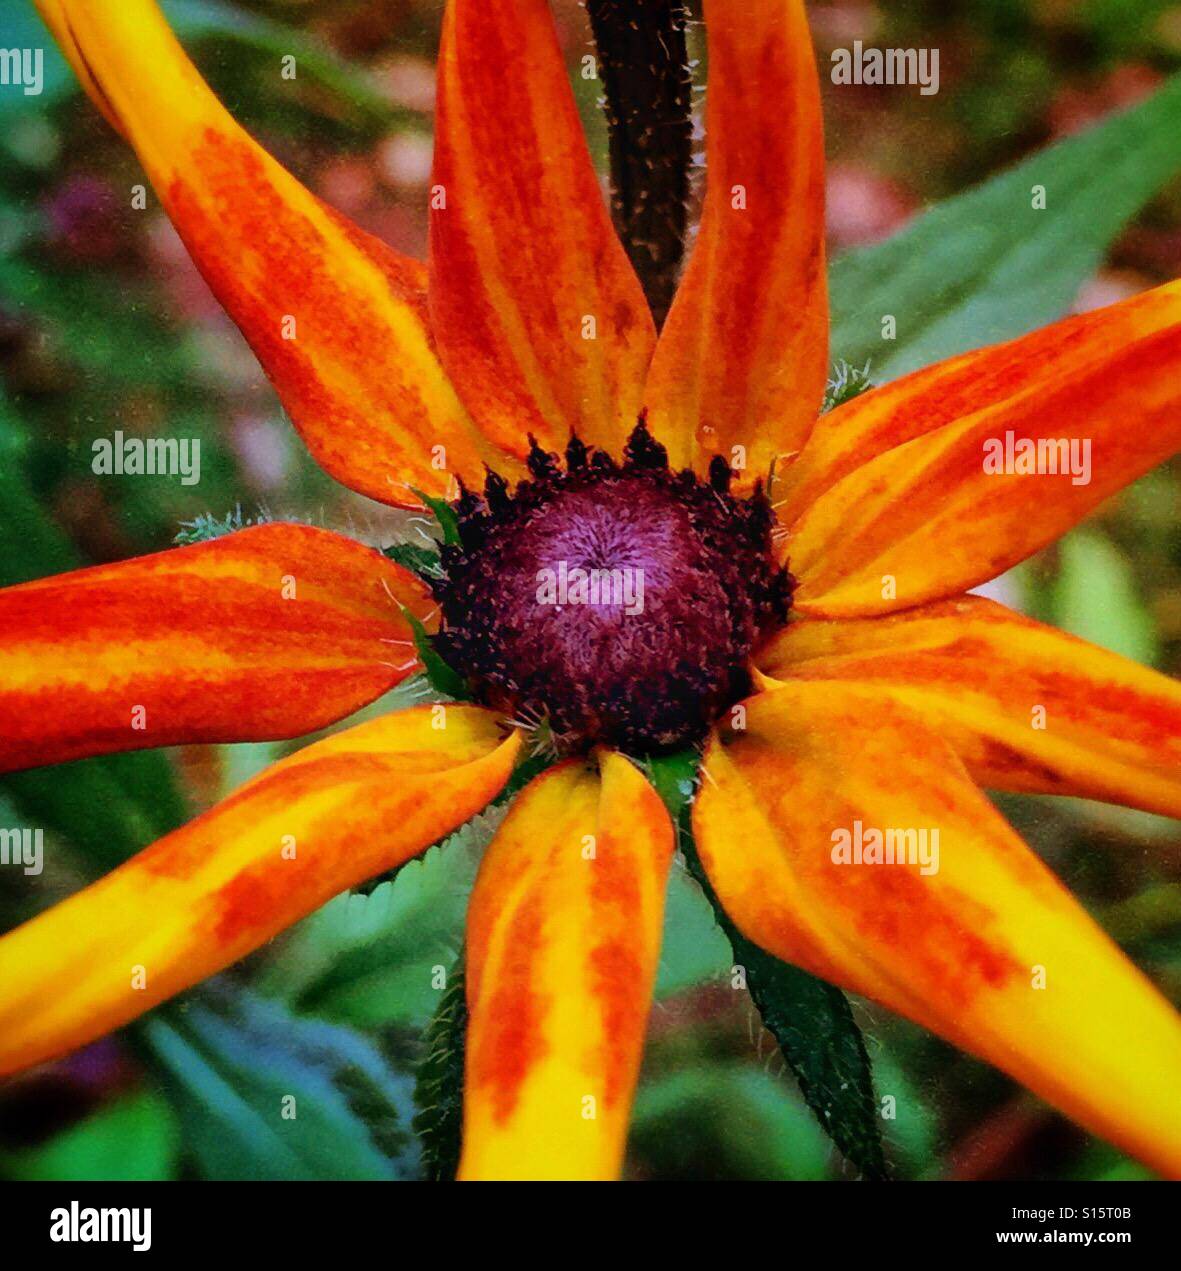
[{"x": 883, "y": 702}]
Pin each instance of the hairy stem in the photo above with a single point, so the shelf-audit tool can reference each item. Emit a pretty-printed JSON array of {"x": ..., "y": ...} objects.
[{"x": 644, "y": 66}]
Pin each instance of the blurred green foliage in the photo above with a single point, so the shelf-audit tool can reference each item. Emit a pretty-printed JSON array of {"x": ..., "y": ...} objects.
[{"x": 951, "y": 279}]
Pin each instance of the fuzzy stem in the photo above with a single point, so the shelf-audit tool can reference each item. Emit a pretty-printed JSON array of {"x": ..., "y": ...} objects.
[{"x": 644, "y": 65}]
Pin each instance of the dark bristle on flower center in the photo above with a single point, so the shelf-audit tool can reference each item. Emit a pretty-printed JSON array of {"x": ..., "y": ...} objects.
[{"x": 617, "y": 601}]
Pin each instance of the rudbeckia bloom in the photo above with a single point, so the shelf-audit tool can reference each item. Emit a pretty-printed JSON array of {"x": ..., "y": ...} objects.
[{"x": 519, "y": 374}]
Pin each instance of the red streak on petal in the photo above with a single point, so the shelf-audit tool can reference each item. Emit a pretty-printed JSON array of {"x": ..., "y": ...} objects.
[
  {"x": 617, "y": 971},
  {"x": 511, "y": 1040}
]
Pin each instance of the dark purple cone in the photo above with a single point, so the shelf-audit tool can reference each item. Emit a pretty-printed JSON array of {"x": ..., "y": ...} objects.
[{"x": 619, "y": 601}]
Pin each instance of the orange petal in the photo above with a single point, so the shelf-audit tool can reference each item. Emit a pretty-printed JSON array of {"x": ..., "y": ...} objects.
[
  {"x": 919, "y": 403},
  {"x": 334, "y": 814},
  {"x": 270, "y": 632},
  {"x": 539, "y": 317},
  {"x": 56, "y": 17},
  {"x": 1024, "y": 706},
  {"x": 952, "y": 508},
  {"x": 987, "y": 949},
  {"x": 563, "y": 943},
  {"x": 743, "y": 357},
  {"x": 337, "y": 319}
]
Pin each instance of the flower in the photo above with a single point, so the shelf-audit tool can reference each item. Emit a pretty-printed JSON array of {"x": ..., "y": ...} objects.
[{"x": 887, "y": 700}]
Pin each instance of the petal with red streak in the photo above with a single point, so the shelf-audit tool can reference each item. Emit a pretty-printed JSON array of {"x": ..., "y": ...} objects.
[
  {"x": 268, "y": 633},
  {"x": 563, "y": 943},
  {"x": 332, "y": 815},
  {"x": 539, "y": 316},
  {"x": 336, "y": 318},
  {"x": 892, "y": 414},
  {"x": 947, "y": 510},
  {"x": 987, "y": 948},
  {"x": 743, "y": 357},
  {"x": 1025, "y": 707}
]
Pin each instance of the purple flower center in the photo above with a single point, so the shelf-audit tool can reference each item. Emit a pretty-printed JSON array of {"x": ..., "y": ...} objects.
[{"x": 618, "y": 602}]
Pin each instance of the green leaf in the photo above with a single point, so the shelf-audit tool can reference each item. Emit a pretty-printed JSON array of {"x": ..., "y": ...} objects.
[
  {"x": 725, "y": 1121},
  {"x": 810, "y": 1019},
  {"x": 439, "y": 1089},
  {"x": 106, "y": 808},
  {"x": 692, "y": 949},
  {"x": 132, "y": 1139},
  {"x": 986, "y": 265},
  {"x": 77, "y": 311},
  {"x": 912, "y": 1128},
  {"x": 1096, "y": 598},
  {"x": 31, "y": 543},
  {"x": 347, "y": 83},
  {"x": 262, "y": 1094},
  {"x": 814, "y": 1026}
]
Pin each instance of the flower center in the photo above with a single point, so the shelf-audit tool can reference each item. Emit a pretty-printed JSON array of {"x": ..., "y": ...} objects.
[{"x": 616, "y": 602}]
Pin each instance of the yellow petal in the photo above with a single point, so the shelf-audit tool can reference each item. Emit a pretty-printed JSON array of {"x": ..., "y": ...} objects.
[
  {"x": 952, "y": 508},
  {"x": 892, "y": 414},
  {"x": 987, "y": 949},
  {"x": 540, "y": 319},
  {"x": 325, "y": 819},
  {"x": 271, "y": 632},
  {"x": 743, "y": 357},
  {"x": 1024, "y": 706},
  {"x": 563, "y": 944},
  {"x": 336, "y": 318}
]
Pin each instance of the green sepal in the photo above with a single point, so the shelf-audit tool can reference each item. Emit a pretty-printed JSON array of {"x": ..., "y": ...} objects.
[
  {"x": 845, "y": 383},
  {"x": 444, "y": 514},
  {"x": 423, "y": 562},
  {"x": 442, "y": 677},
  {"x": 206, "y": 527}
]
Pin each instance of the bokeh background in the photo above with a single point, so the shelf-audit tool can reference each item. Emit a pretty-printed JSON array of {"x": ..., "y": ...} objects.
[{"x": 105, "y": 324}]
